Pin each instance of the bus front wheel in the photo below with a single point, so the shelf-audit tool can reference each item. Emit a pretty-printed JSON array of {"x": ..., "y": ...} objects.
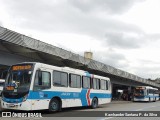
[
  {"x": 94, "y": 103},
  {"x": 149, "y": 99},
  {"x": 54, "y": 105}
]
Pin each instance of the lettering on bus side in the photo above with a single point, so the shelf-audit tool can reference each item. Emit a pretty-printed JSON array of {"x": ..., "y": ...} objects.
[{"x": 65, "y": 94}]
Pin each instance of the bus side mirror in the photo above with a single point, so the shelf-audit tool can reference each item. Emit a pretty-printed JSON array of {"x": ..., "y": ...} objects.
[{"x": 39, "y": 77}]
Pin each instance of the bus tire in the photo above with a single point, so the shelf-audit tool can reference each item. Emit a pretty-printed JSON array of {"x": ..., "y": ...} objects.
[
  {"x": 54, "y": 105},
  {"x": 94, "y": 103}
]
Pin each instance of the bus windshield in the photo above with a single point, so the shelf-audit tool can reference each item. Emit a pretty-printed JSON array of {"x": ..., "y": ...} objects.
[
  {"x": 19, "y": 78},
  {"x": 139, "y": 91}
]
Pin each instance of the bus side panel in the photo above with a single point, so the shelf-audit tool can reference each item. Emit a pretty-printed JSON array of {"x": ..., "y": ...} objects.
[
  {"x": 40, "y": 104},
  {"x": 41, "y": 99},
  {"x": 71, "y": 103},
  {"x": 141, "y": 99},
  {"x": 104, "y": 96}
]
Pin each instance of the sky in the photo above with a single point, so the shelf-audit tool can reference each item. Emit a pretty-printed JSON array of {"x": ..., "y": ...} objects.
[{"x": 122, "y": 33}]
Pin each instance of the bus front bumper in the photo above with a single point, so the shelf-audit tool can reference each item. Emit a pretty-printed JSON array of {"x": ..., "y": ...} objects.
[{"x": 26, "y": 106}]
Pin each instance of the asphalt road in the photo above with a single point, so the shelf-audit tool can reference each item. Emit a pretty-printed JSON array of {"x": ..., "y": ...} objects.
[{"x": 122, "y": 106}]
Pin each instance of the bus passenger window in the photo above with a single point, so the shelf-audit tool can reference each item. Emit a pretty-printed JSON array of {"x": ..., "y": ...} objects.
[
  {"x": 98, "y": 84},
  {"x": 46, "y": 81},
  {"x": 64, "y": 79},
  {"x": 86, "y": 82},
  {"x": 46, "y": 78},
  {"x": 103, "y": 84},
  {"x": 95, "y": 83},
  {"x": 75, "y": 81},
  {"x": 57, "y": 78},
  {"x": 60, "y": 79}
]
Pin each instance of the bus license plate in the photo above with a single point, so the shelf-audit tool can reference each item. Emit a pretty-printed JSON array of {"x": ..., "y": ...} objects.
[{"x": 11, "y": 105}]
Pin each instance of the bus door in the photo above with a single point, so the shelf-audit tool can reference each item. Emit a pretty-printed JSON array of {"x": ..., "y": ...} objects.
[{"x": 41, "y": 89}]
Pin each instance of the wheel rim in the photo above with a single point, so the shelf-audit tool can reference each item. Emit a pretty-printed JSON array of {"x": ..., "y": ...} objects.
[
  {"x": 95, "y": 103},
  {"x": 54, "y": 106}
]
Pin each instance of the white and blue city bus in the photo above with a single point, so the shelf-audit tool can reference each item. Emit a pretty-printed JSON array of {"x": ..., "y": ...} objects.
[
  {"x": 38, "y": 86},
  {"x": 2, "y": 81},
  {"x": 145, "y": 93}
]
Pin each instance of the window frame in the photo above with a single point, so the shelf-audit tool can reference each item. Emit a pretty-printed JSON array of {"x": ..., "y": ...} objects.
[
  {"x": 60, "y": 79},
  {"x": 87, "y": 82},
  {"x": 104, "y": 85},
  {"x": 107, "y": 84},
  {"x": 76, "y": 80},
  {"x": 49, "y": 87},
  {"x": 97, "y": 85}
]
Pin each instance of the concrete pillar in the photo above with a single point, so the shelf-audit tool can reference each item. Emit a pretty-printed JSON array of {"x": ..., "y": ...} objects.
[{"x": 129, "y": 89}]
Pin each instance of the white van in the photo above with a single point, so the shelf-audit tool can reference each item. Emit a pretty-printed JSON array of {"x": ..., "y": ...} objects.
[{"x": 1, "y": 85}]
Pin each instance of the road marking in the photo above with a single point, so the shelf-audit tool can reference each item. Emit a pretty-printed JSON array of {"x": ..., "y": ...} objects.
[
  {"x": 138, "y": 110},
  {"x": 108, "y": 118},
  {"x": 145, "y": 108}
]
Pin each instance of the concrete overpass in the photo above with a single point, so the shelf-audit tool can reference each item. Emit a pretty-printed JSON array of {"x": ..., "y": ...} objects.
[{"x": 15, "y": 48}]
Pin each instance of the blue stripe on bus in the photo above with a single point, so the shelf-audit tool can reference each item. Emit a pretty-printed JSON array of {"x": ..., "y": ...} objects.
[
  {"x": 65, "y": 95},
  {"x": 139, "y": 97},
  {"x": 83, "y": 97},
  {"x": 9, "y": 100},
  {"x": 50, "y": 94}
]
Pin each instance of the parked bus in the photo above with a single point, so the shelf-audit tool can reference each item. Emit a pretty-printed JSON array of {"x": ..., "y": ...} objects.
[
  {"x": 145, "y": 93},
  {"x": 1, "y": 85},
  {"x": 3, "y": 75},
  {"x": 37, "y": 86}
]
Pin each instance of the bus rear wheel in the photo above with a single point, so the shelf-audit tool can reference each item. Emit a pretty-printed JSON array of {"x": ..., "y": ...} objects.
[
  {"x": 54, "y": 105},
  {"x": 94, "y": 103}
]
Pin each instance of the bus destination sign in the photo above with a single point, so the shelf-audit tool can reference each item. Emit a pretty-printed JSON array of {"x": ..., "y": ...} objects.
[{"x": 21, "y": 67}]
